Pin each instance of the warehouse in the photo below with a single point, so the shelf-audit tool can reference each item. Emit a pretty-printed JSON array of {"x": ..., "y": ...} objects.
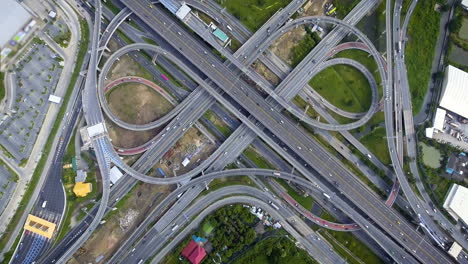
[
  {"x": 455, "y": 91},
  {"x": 456, "y": 203},
  {"x": 14, "y": 18}
]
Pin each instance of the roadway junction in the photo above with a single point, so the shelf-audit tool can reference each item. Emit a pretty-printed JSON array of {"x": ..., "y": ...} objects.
[{"x": 263, "y": 117}]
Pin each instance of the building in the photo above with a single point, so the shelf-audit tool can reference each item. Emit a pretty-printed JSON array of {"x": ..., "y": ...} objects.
[
  {"x": 455, "y": 91},
  {"x": 464, "y": 4},
  {"x": 455, "y": 250},
  {"x": 39, "y": 226},
  {"x": 183, "y": 12},
  {"x": 456, "y": 203},
  {"x": 80, "y": 176},
  {"x": 14, "y": 18},
  {"x": 96, "y": 130},
  {"x": 55, "y": 99},
  {"x": 219, "y": 34},
  {"x": 457, "y": 167},
  {"x": 115, "y": 175},
  {"x": 194, "y": 252},
  {"x": 81, "y": 189}
]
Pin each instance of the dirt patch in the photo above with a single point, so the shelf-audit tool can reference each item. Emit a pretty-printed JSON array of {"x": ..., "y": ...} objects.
[
  {"x": 265, "y": 72},
  {"x": 123, "y": 138},
  {"x": 136, "y": 103},
  {"x": 193, "y": 145},
  {"x": 133, "y": 211},
  {"x": 283, "y": 46}
]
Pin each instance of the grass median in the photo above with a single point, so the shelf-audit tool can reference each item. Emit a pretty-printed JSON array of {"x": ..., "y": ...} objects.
[
  {"x": 48, "y": 146},
  {"x": 423, "y": 31}
]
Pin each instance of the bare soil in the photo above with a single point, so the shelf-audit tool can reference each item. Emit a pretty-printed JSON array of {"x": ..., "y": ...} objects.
[
  {"x": 136, "y": 103},
  {"x": 265, "y": 72},
  {"x": 283, "y": 46},
  {"x": 193, "y": 144},
  {"x": 108, "y": 236},
  {"x": 123, "y": 138}
]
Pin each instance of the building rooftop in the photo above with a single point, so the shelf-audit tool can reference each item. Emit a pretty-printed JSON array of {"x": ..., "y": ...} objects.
[
  {"x": 220, "y": 35},
  {"x": 39, "y": 226},
  {"x": 456, "y": 202},
  {"x": 455, "y": 91},
  {"x": 439, "y": 119},
  {"x": 81, "y": 189},
  {"x": 115, "y": 174},
  {"x": 194, "y": 252},
  {"x": 14, "y": 17}
]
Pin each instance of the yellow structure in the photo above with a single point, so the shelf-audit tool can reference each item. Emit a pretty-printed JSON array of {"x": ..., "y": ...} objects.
[
  {"x": 81, "y": 189},
  {"x": 39, "y": 226}
]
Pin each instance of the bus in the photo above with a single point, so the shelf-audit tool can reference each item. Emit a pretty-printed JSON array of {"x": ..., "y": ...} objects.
[
  {"x": 326, "y": 195},
  {"x": 164, "y": 77},
  {"x": 162, "y": 172},
  {"x": 273, "y": 205},
  {"x": 175, "y": 228}
]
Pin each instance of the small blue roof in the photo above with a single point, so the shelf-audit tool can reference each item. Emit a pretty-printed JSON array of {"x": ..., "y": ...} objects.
[{"x": 221, "y": 35}]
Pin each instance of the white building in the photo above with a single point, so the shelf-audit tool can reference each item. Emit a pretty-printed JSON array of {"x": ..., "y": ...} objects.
[
  {"x": 115, "y": 175},
  {"x": 464, "y": 4},
  {"x": 456, "y": 203},
  {"x": 13, "y": 18},
  {"x": 455, "y": 91},
  {"x": 96, "y": 130},
  {"x": 455, "y": 250},
  {"x": 55, "y": 99}
]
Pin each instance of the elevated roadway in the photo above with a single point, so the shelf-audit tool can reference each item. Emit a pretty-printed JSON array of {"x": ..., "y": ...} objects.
[
  {"x": 273, "y": 121},
  {"x": 319, "y": 250}
]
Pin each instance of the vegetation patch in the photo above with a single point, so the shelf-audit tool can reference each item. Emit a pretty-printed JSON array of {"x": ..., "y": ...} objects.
[
  {"x": 2, "y": 85},
  {"x": 253, "y": 13},
  {"x": 376, "y": 142},
  {"x": 343, "y": 86},
  {"x": 423, "y": 31}
]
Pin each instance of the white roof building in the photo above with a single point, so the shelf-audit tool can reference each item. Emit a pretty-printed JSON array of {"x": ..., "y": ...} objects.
[
  {"x": 464, "y": 4},
  {"x": 456, "y": 203},
  {"x": 14, "y": 17},
  {"x": 115, "y": 175},
  {"x": 439, "y": 119},
  {"x": 455, "y": 250},
  {"x": 96, "y": 130},
  {"x": 455, "y": 91},
  {"x": 183, "y": 11},
  {"x": 55, "y": 99}
]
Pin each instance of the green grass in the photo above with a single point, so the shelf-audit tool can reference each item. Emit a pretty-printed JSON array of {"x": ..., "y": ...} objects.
[
  {"x": 42, "y": 162},
  {"x": 363, "y": 58},
  {"x": 306, "y": 202},
  {"x": 260, "y": 161},
  {"x": 268, "y": 250},
  {"x": 112, "y": 7},
  {"x": 2, "y": 85},
  {"x": 149, "y": 41},
  {"x": 349, "y": 241},
  {"x": 303, "y": 48},
  {"x": 377, "y": 144},
  {"x": 343, "y": 86},
  {"x": 218, "y": 123},
  {"x": 223, "y": 182},
  {"x": 343, "y": 7},
  {"x": 423, "y": 31},
  {"x": 253, "y": 13}
]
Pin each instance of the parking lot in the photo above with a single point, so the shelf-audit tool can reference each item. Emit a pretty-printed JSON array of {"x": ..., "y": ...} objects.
[
  {"x": 58, "y": 31},
  {"x": 36, "y": 75}
]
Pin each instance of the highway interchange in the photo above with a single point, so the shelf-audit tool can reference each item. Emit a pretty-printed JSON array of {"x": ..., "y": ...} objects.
[{"x": 260, "y": 117}]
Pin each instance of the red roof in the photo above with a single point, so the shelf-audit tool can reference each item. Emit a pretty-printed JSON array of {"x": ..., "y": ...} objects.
[
  {"x": 194, "y": 252},
  {"x": 188, "y": 249},
  {"x": 197, "y": 255}
]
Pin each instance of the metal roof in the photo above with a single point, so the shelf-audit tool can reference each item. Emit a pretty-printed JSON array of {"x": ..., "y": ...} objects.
[
  {"x": 455, "y": 91},
  {"x": 439, "y": 119},
  {"x": 14, "y": 17},
  {"x": 456, "y": 202},
  {"x": 221, "y": 35}
]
